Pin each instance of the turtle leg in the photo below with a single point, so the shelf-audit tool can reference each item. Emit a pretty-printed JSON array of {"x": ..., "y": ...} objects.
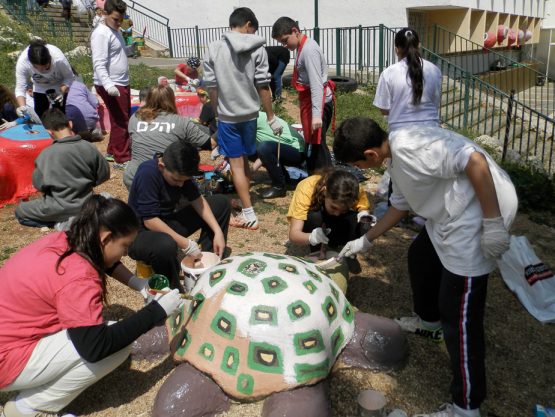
[
  {"x": 152, "y": 345},
  {"x": 377, "y": 343},
  {"x": 311, "y": 401},
  {"x": 189, "y": 393}
]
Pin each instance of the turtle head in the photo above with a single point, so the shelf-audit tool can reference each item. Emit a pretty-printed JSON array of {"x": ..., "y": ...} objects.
[{"x": 378, "y": 343}]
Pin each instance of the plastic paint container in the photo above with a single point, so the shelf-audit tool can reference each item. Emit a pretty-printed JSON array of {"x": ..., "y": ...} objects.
[{"x": 193, "y": 269}]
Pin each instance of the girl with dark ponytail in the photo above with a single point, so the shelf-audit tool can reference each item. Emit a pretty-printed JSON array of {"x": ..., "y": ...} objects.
[
  {"x": 409, "y": 91},
  {"x": 54, "y": 340}
]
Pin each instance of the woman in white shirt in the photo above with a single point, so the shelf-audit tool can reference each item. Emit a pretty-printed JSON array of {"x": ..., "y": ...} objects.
[{"x": 409, "y": 91}]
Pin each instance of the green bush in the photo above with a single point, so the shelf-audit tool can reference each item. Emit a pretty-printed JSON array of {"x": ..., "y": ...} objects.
[{"x": 535, "y": 190}]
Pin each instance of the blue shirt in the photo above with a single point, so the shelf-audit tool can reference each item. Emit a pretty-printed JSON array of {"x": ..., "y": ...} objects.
[{"x": 150, "y": 196}]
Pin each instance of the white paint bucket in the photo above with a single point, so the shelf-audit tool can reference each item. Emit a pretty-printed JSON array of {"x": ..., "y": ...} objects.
[
  {"x": 371, "y": 403},
  {"x": 193, "y": 269}
]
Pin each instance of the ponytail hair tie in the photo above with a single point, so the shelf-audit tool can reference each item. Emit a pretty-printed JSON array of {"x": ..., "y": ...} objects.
[{"x": 408, "y": 33}]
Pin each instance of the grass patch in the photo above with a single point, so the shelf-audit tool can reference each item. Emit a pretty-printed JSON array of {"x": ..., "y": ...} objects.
[{"x": 6, "y": 252}]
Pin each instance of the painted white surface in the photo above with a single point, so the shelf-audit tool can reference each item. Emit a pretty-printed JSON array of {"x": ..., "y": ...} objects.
[{"x": 215, "y": 13}]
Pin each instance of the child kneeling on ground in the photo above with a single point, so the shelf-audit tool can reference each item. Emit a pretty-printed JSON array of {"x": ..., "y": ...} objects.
[
  {"x": 327, "y": 209},
  {"x": 157, "y": 188},
  {"x": 65, "y": 173}
]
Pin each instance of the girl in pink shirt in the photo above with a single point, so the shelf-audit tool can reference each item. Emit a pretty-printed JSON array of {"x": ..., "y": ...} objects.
[{"x": 53, "y": 340}]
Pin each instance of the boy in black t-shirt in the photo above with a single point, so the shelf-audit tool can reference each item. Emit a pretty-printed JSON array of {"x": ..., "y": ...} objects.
[{"x": 157, "y": 189}]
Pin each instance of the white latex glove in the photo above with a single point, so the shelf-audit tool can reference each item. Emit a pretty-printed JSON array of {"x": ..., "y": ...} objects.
[
  {"x": 318, "y": 236},
  {"x": 355, "y": 246},
  {"x": 7, "y": 125},
  {"x": 276, "y": 126},
  {"x": 495, "y": 240},
  {"x": 113, "y": 91},
  {"x": 361, "y": 214},
  {"x": 195, "y": 82},
  {"x": 59, "y": 99},
  {"x": 192, "y": 250},
  {"x": 170, "y": 301},
  {"x": 21, "y": 111}
]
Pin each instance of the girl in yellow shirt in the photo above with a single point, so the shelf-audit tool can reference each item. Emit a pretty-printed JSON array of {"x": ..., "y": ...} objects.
[{"x": 328, "y": 209}]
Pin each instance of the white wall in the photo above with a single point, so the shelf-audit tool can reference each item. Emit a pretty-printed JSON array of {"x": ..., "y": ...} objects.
[{"x": 332, "y": 13}]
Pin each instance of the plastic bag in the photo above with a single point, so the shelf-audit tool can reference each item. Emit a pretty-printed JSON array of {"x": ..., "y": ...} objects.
[
  {"x": 529, "y": 278},
  {"x": 383, "y": 186}
]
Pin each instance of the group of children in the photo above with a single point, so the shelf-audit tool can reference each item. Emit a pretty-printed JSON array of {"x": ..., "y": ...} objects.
[{"x": 467, "y": 200}]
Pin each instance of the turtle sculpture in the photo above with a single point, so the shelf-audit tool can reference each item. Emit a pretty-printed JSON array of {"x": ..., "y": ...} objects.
[{"x": 269, "y": 326}]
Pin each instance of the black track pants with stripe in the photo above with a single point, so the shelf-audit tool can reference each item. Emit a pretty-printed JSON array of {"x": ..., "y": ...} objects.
[{"x": 459, "y": 303}]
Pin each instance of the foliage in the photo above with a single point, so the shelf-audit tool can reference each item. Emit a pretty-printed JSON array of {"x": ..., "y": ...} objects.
[
  {"x": 535, "y": 190},
  {"x": 144, "y": 76}
]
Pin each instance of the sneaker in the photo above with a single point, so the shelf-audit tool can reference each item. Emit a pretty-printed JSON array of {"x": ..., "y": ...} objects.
[
  {"x": 413, "y": 324},
  {"x": 10, "y": 410},
  {"x": 215, "y": 153},
  {"x": 445, "y": 410},
  {"x": 240, "y": 222},
  {"x": 109, "y": 157},
  {"x": 121, "y": 166}
]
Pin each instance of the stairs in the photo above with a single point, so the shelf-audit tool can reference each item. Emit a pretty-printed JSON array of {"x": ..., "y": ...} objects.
[
  {"x": 79, "y": 22},
  {"x": 484, "y": 113}
]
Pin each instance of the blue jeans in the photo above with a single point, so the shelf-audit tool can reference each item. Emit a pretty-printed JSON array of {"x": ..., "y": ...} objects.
[
  {"x": 33, "y": 223},
  {"x": 275, "y": 84},
  {"x": 288, "y": 155}
]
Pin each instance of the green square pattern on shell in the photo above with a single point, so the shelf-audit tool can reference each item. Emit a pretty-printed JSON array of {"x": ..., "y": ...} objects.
[
  {"x": 348, "y": 313},
  {"x": 292, "y": 269},
  {"x": 265, "y": 357},
  {"x": 184, "y": 342},
  {"x": 230, "y": 360},
  {"x": 207, "y": 351},
  {"x": 264, "y": 315},
  {"x": 196, "y": 306},
  {"x": 175, "y": 321},
  {"x": 252, "y": 267},
  {"x": 310, "y": 286},
  {"x": 330, "y": 309},
  {"x": 273, "y": 285},
  {"x": 216, "y": 276},
  {"x": 237, "y": 288},
  {"x": 298, "y": 310},
  {"x": 224, "y": 324},
  {"x": 245, "y": 384},
  {"x": 313, "y": 275},
  {"x": 308, "y": 342}
]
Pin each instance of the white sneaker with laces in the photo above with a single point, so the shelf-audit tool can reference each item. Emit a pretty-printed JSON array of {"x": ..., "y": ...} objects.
[{"x": 414, "y": 324}]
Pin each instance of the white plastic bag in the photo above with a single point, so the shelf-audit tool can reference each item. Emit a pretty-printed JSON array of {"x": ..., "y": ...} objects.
[{"x": 529, "y": 278}]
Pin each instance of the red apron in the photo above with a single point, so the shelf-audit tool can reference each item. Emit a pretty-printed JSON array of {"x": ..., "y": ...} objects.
[{"x": 305, "y": 103}]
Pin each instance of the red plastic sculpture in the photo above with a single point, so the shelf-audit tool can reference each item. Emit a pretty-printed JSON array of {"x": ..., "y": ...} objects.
[{"x": 19, "y": 147}]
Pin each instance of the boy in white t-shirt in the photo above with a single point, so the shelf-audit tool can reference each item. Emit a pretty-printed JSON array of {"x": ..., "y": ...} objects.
[
  {"x": 111, "y": 78},
  {"x": 469, "y": 203}
]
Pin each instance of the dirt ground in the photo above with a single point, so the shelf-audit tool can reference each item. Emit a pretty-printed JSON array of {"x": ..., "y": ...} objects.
[{"x": 520, "y": 358}]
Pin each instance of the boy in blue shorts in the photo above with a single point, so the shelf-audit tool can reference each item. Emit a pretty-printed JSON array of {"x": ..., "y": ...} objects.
[{"x": 236, "y": 75}]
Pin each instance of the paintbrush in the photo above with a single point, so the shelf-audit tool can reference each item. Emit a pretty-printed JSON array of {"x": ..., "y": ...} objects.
[{"x": 184, "y": 296}]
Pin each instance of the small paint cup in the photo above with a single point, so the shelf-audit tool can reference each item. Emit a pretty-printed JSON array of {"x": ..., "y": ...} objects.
[{"x": 371, "y": 403}]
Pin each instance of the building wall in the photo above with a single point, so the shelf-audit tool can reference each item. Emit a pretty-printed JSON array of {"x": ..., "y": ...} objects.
[{"x": 215, "y": 13}]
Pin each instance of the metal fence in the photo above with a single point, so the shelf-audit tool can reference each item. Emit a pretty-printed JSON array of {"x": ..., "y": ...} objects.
[
  {"x": 152, "y": 25},
  {"x": 30, "y": 13},
  {"x": 471, "y": 105}
]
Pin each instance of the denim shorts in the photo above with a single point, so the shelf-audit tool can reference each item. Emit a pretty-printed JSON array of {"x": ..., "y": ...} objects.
[{"x": 237, "y": 139}]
